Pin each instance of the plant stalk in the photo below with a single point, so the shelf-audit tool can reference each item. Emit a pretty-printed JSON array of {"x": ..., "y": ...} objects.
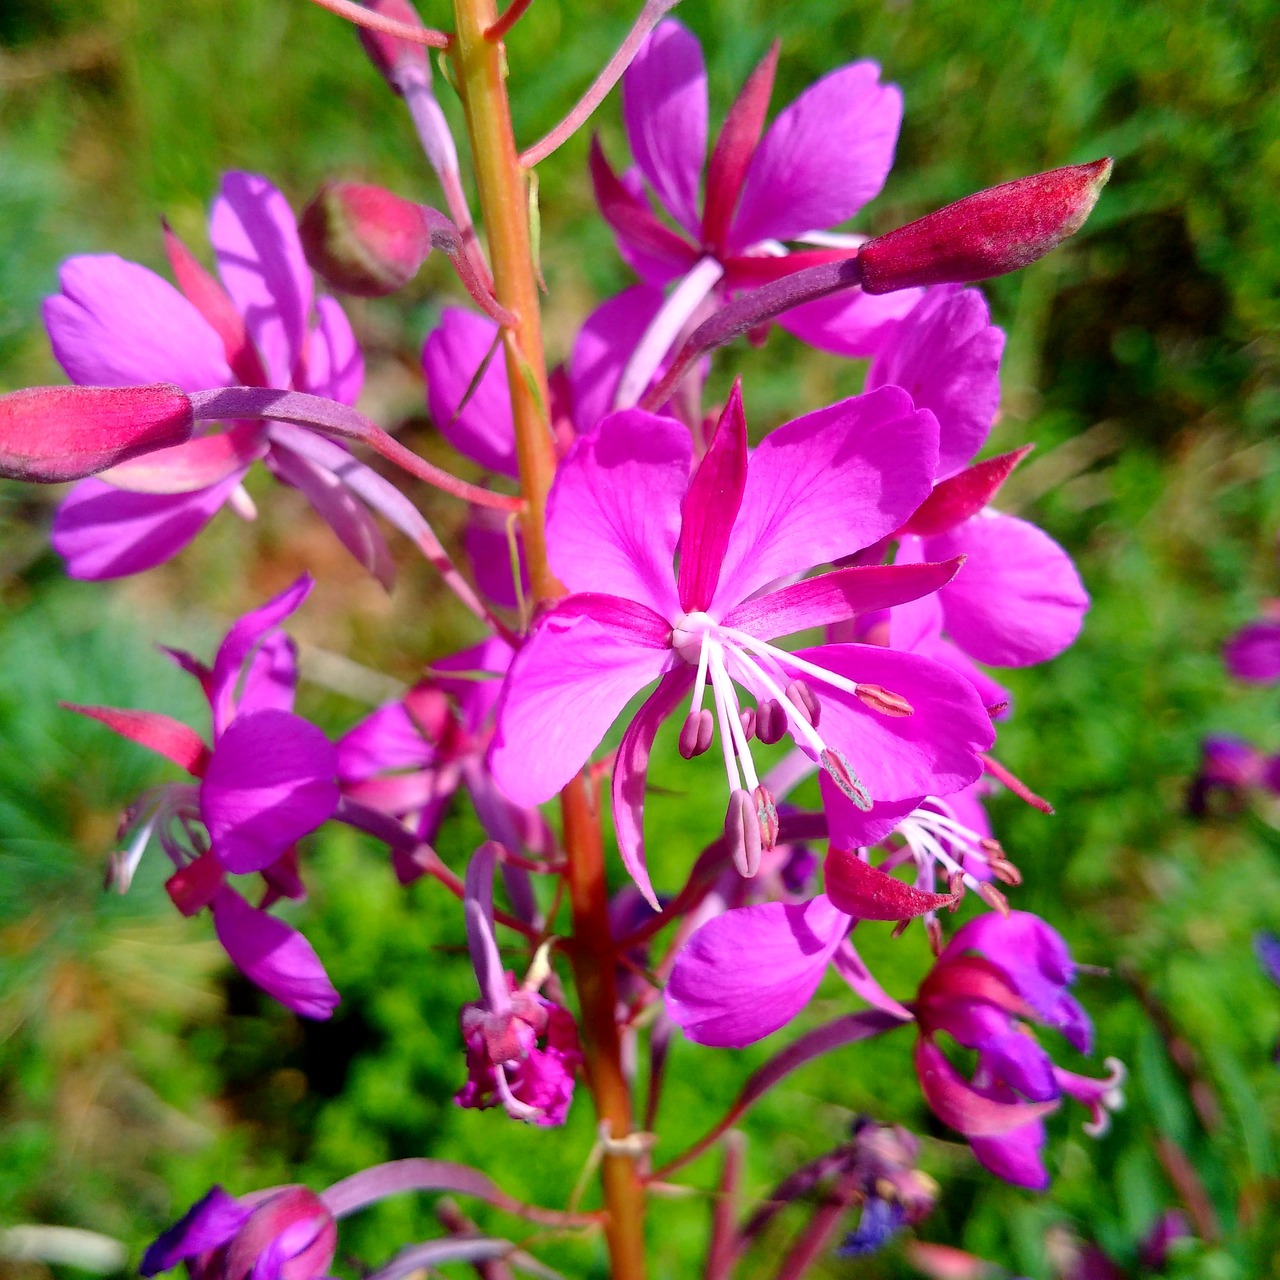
[{"x": 480, "y": 65}]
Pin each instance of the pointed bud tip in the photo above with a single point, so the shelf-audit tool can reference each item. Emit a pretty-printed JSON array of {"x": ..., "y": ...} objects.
[
  {"x": 362, "y": 239},
  {"x": 53, "y": 434},
  {"x": 986, "y": 234}
]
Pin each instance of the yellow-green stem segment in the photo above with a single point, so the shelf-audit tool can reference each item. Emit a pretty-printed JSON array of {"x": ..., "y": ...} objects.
[{"x": 504, "y": 210}]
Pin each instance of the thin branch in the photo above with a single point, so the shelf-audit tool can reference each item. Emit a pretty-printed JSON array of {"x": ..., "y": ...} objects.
[
  {"x": 363, "y": 17},
  {"x": 831, "y": 1035},
  {"x": 515, "y": 11},
  {"x": 652, "y": 13}
]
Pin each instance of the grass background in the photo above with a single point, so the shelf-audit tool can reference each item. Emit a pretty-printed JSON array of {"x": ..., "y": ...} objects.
[{"x": 135, "y": 1069}]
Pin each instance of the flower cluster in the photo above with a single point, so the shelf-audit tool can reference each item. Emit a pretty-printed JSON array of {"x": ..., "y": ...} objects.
[{"x": 822, "y": 598}]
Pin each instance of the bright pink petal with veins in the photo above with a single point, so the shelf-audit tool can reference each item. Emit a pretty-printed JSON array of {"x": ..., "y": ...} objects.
[
  {"x": 837, "y": 596},
  {"x": 630, "y": 774},
  {"x": 273, "y": 956},
  {"x": 946, "y": 354},
  {"x": 613, "y": 515},
  {"x": 269, "y": 782},
  {"x": 664, "y": 106},
  {"x": 1018, "y": 600},
  {"x": 116, "y": 324},
  {"x": 850, "y": 323},
  {"x": 827, "y": 485},
  {"x": 567, "y": 684},
  {"x": 746, "y": 973},
  {"x": 260, "y": 260},
  {"x": 822, "y": 159},
  {"x": 334, "y": 365},
  {"x": 104, "y": 532}
]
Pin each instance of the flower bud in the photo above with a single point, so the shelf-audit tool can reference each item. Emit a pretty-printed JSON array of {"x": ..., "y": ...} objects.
[
  {"x": 51, "y": 434},
  {"x": 395, "y": 58},
  {"x": 986, "y": 234},
  {"x": 362, "y": 239}
]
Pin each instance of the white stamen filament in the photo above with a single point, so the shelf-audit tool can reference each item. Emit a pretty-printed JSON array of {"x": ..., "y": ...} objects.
[
  {"x": 800, "y": 725},
  {"x": 700, "y": 680},
  {"x": 731, "y": 722},
  {"x": 785, "y": 659},
  {"x": 726, "y": 742}
]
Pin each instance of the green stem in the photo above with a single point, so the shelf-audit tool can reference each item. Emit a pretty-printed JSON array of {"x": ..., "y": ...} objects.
[{"x": 504, "y": 209}]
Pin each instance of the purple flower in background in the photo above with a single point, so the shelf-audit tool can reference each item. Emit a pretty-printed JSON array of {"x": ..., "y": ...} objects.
[
  {"x": 1253, "y": 653},
  {"x": 522, "y": 1049},
  {"x": 1267, "y": 946},
  {"x": 285, "y": 1233},
  {"x": 267, "y": 780},
  {"x": 115, "y": 323},
  {"x": 1020, "y": 973},
  {"x": 821, "y": 160},
  {"x": 1230, "y": 768},
  {"x": 882, "y": 725}
]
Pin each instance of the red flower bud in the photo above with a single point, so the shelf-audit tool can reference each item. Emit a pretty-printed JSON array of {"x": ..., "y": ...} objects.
[
  {"x": 986, "y": 234},
  {"x": 364, "y": 240},
  {"x": 51, "y": 434},
  {"x": 395, "y": 58}
]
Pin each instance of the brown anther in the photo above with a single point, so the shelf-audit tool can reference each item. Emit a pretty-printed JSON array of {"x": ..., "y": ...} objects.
[
  {"x": 883, "y": 700},
  {"x": 742, "y": 833},
  {"x": 1005, "y": 871},
  {"x": 955, "y": 883},
  {"x": 994, "y": 898},
  {"x": 933, "y": 927},
  {"x": 842, "y": 775},
  {"x": 900, "y": 928}
]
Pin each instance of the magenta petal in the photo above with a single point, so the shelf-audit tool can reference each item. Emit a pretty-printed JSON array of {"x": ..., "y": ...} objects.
[
  {"x": 630, "y": 772},
  {"x": 746, "y": 973},
  {"x": 271, "y": 677},
  {"x": 116, "y": 324},
  {"x": 565, "y": 688},
  {"x": 837, "y": 597},
  {"x": 273, "y": 956},
  {"x": 664, "y": 105},
  {"x": 604, "y": 345},
  {"x": 454, "y": 352},
  {"x": 827, "y": 485},
  {"x": 822, "y": 159},
  {"x": 1018, "y": 599},
  {"x": 851, "y": 323},
  {"x": 957, "y": 1103},
  {"x": 711, "y": 505},
  {"x": 239, "y": 643},
  {"x": 613, "y": 515},
  {"x": 1253, "y": 653},
  {"x": 993, "y": 694},
  {"x": 260, "y": 260},
  {"x": 385, "y": 739},
  {"x": 1015, "y": 1156},
  {"x": 334, "y": 366},
  {"x": 269, "y": 782},
  {"x": 934, "y": 751},
  {"x": 854, "y": 828},
  {"x": 209, "y": 1224},
  {"x": 946, "y": 355},
  {"x": 339, "y": 508},
  {"x": 159, "y": 733},
  {"x": 104, "y": 532}
]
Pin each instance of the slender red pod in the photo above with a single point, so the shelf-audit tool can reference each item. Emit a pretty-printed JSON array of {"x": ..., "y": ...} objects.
[{"x": 986, "y": 234}]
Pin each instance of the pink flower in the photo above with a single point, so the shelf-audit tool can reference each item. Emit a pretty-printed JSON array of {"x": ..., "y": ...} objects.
[
  {"x": 882, "y": 725},
  {"x": 114, "y": 323},
  {"x": 285, "y": 1233},
  {"x": 1020, "y": 973},
  {"x": 522, "y": 1049},
  {"x": 824, "y": 156},
  {"x": 1253, "y": 653},
  {"x": 266, "y": 781}
]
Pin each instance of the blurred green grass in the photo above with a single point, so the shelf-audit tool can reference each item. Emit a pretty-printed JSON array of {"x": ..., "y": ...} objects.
[{"x": 1142, "y": 361}]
